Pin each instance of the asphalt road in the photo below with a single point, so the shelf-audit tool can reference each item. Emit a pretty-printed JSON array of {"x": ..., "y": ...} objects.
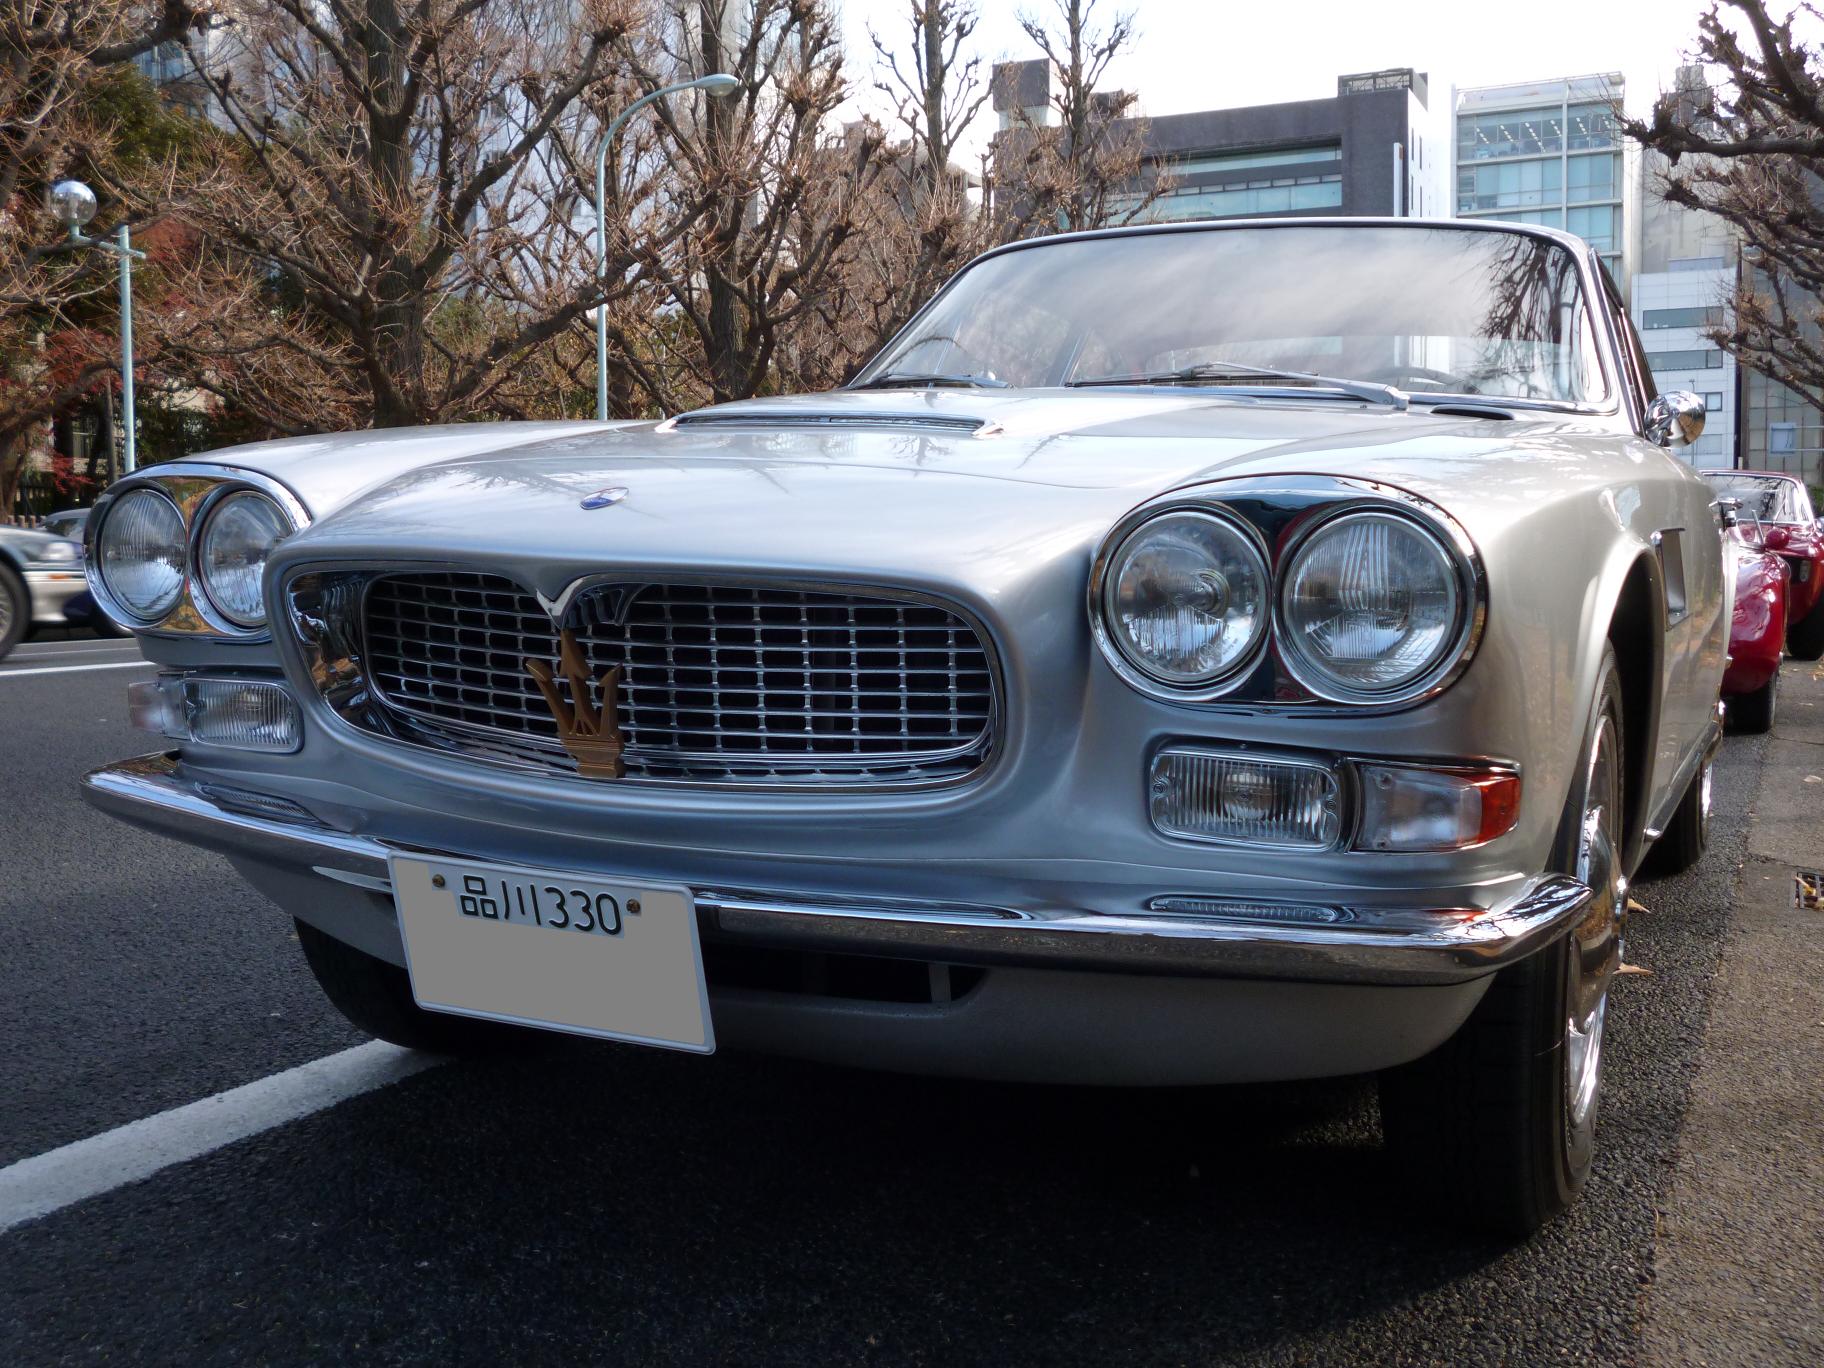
[{"x": 590, "y": 1203}]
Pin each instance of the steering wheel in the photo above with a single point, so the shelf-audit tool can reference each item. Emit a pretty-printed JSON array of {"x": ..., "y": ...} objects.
[{"x": 1389, "y": 375}]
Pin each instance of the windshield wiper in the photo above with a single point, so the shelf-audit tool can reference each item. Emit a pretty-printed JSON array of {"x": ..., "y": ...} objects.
[
  {"x": 921, "y": 380},
  {"x": 1218, "y": 372}
]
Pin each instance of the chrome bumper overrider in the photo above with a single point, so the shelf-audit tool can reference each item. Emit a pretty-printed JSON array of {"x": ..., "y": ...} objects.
[{"x": 154, "y": 792}]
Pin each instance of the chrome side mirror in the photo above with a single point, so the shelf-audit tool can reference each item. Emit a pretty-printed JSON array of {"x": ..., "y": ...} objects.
[
  {"x": 1675, "y": 419},
  {"x": 1728, "y": 511}
]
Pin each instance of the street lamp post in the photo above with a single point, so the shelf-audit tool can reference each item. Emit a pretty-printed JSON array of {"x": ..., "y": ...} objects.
[
  {"x": 72, "y": 204},
  {"x": 720, "y": 86}
]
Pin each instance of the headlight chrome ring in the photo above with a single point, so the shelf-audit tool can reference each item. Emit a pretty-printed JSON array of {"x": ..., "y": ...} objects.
[
  {"x": 1374, "y": 605},
  {"x": 235, "y": 535},
  {"x": 140, "y": 556},
  {"x": 1181, "y": 599}
]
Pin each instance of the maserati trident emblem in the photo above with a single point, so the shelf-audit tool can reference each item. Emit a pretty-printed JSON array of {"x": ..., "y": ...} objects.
[
  {"x": 605, "y": 498},
  {"x": 590, "y": 730}
]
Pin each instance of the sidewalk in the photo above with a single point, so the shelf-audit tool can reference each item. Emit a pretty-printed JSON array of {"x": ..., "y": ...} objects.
[{"x": 1739, "y": 1267}]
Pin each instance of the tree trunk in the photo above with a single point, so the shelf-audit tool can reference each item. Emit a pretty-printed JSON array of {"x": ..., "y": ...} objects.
[{"x": 396, "y": 361}]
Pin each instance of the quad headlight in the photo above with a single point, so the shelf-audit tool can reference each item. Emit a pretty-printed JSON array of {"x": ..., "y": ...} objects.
[
  {"x": 1185, "y": 599},
  {"x": 239, "y": 532},
  {"x": 182, "y": 549},
  {"x": 1371, "y": 604},
  {"x": 1365, "y": 597},
  {"x": 142, "y": 552}
]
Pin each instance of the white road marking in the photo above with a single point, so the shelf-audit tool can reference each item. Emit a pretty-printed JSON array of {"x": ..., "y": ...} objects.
[
  {"x": 61, "y": 1177},
  {"x": 76, "y": 669}
]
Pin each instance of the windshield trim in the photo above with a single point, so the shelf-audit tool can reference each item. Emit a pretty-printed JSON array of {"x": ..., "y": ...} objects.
[{"x": 1619, "y": 403}]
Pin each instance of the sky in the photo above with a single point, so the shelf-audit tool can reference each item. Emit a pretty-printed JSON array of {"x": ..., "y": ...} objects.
[{"x": 1218, "y": 54}]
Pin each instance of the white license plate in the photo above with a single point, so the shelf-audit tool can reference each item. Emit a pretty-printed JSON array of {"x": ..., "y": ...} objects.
[{"x": 538, "y": 948}]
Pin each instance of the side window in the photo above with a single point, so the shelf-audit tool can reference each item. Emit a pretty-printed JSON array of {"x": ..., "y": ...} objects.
[{"x": 1633, "y": 355}]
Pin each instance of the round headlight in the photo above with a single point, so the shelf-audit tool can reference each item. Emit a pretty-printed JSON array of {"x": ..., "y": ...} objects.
[
  {"x": 1370, "y": 605},
  {"x": 1185, "y": 598},
  {"x": 142, "y": 554},
  {"x": 240, "y": 533}
]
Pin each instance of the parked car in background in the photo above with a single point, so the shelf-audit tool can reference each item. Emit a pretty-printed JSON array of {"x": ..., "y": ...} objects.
[
  {"x": 68, "y": 522},
  {"x": 1757, "y": 629},
  {"x": 1777, "y": 515},
  {"x": 39, "y": 573},
  {"x": 1190, "y": 654}
]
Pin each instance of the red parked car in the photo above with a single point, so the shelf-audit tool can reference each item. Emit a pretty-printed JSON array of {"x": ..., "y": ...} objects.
[
  {"x": 1757, "y": 631},
  {"x": 1776, "y": 515}
]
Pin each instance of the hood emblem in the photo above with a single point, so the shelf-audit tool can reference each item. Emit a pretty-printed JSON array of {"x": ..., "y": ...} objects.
[
  {"x": 590, "y": 729},
  {"x": 605, "y": 498}
]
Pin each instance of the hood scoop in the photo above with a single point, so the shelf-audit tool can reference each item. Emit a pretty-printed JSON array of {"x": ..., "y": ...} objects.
[{"x": 955, "y": 424}]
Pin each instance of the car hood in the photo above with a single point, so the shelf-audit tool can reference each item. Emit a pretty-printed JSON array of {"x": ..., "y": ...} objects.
[{"x": 889, "y": 483}]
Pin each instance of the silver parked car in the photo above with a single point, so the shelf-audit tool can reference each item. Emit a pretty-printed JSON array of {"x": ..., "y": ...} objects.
[
  {"x": 39, "y": 574},
  {"x": 1185, "y": 655}
]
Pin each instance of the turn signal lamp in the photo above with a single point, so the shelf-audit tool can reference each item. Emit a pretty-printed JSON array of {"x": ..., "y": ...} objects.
[{"x": 1408, "y": 808}]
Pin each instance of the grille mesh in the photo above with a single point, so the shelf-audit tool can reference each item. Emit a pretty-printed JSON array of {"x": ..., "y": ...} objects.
[{"x": 730, "y": 682}]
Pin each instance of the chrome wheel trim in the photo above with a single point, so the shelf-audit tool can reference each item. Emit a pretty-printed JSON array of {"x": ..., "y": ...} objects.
[
  {"x": 1595, "y": 941},
  {"x": 6, "y": 612}
]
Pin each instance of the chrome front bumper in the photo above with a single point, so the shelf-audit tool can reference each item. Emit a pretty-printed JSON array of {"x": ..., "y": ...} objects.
[{"x": 1422, "y": 946}]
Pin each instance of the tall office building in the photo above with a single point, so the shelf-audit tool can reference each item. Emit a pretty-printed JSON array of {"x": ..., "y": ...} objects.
[
  {"x": 1546, "y": 152},
  {"x": 1371, "y": 149},
  {"x": 1686, "y": 276}
]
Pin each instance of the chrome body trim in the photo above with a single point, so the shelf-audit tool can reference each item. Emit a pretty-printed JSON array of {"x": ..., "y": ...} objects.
[
  {"x": 194, "y": 487},
  {"x": 1412, "y": 944}
]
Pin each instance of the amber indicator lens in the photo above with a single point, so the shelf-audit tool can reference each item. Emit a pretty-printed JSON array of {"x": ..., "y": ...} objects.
[{"x": 1408, "y": 808}]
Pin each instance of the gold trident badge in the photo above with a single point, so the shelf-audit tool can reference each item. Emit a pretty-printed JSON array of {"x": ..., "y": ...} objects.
[{"x": 591, "y": 733}]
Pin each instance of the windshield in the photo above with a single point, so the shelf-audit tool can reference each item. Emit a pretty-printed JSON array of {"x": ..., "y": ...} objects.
[
  {"x": 1763, "y": 496},
  {"x": 1429, "y": 310}
]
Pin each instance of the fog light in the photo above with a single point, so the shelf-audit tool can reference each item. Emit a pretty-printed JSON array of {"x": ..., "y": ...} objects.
[
  {"x": 1411, "y": 809},
  {"x": 1222, "y": 796},
  {"x": 241, "y": 714}
]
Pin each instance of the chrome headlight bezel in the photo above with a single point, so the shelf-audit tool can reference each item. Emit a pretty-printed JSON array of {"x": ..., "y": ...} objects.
[
  {"x": 1281, "y": 513},
  {"x": 1105, "y": 575},
  {"x": 196, "y": 488},
  {"x": 1469, "y": 606}
]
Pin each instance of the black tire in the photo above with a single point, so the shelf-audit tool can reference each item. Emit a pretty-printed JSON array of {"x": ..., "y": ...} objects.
[
  {"x": 376, "y": 997},
  {"x": 1753, "y": 713},
  {"x": 15, "y": 609},
  {"x": 1486, "y": 1125},
  {"x": 1805, "y": 638},
  {"x": 1687, "y": 832}
]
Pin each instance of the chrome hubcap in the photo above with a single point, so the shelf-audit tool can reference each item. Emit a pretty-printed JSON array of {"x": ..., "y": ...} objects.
[
  {"x": 6, "y": 611},
  {"x": 1596, "y": 940}
]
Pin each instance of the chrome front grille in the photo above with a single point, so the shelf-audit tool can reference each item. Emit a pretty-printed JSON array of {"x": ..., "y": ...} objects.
[{"x": 720, "y": 682}]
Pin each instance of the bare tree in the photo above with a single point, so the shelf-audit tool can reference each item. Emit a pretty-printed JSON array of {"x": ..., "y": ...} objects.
[
  {"x": 1751, "y": 151},
  {"x": 1089, "y": 170},
  {"x": 56, "y": 58},
  {"x": 407, "y": 172},
  {"x": 771, "y": 201}
]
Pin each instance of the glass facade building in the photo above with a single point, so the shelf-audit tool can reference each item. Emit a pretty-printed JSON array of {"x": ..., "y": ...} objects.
[{"x": 1548, "y": 153}]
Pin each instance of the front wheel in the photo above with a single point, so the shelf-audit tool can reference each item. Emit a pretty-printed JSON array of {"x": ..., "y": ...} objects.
[
  {"x": 1805, "y": 638},
  {"x": 1752, "y": 713},
  {"x": 1499, "y": 1123},
  {"x": 15, "y": 610}
]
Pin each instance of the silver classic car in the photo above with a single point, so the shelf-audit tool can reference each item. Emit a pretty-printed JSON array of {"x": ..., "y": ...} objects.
[{"x": 1184, "y": 655}]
